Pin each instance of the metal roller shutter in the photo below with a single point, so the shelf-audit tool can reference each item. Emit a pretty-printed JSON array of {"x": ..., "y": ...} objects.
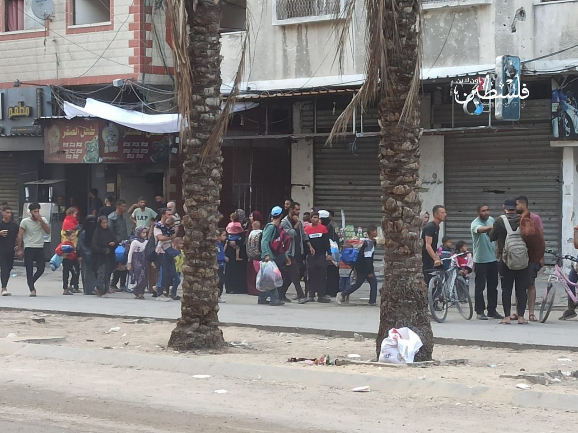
[
  {"x": 488, "y": 168},
  {"x": 347, "y": 177},
  {"x": 9, "y": 181}
]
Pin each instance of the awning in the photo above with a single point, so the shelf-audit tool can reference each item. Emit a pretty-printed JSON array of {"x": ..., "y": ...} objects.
[{"x": 154, "y": 123}]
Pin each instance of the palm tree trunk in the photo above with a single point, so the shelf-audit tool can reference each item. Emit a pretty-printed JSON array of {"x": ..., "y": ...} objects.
[
  {"x": 404, "y": 294},
  {"x": 198, "y": 326}
]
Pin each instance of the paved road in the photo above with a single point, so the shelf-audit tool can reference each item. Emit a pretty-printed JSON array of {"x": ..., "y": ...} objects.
[{"x": 242, "y": 309}]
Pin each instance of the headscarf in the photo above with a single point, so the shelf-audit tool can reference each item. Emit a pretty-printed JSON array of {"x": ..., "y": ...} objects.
[
  {"x": 138, "y": 232},
  {"x": 89, "y": 227},
  {"x": 102, "y": 237},
  {"x": 257, "y": 216},
  {"x": 242, "y": 215}
]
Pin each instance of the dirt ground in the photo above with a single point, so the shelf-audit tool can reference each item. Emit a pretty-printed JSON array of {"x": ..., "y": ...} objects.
[{"x": 485, "y": 365}]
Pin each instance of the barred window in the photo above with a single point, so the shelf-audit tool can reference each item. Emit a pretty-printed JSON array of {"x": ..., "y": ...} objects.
[{"x": 299, "y": 11}]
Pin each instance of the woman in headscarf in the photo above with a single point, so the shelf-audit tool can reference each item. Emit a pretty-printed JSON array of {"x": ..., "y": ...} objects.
[
  {"x": 332, "y": 269},
  {"x": 253, "y": 265},
  {"x": 85, "y": 255},
  {"x": 245, "y": 223},
  {"x": 103, "y": 246},
  {"x": 236, "y": 269},
  {"x": 137, "y": 262}
]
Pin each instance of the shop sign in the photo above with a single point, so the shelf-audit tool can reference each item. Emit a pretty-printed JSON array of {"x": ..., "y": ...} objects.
[
  {"x": 565, "y": 107},
  {"x": 94, "y": 141},
  {"x": 72, "y": 141},
  {"x": 21, "y": 106}
]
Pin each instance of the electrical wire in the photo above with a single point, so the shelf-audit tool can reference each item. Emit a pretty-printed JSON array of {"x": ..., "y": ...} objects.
[{"x": 444, "y": 44}]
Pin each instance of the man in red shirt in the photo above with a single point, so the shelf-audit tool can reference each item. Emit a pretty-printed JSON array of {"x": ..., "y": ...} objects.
[{"x": 317, "y": 262}]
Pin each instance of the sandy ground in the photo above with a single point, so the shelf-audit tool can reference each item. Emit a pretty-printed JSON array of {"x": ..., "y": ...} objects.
[{"x": 485, "y": 365}]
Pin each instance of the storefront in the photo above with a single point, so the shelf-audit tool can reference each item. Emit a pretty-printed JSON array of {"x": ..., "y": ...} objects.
[{"x": 118, "y": 161}]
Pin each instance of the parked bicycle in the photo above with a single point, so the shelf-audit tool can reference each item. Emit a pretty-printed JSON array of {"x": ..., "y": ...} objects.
[
  {"x": 448, "y": 289},
  {"x": 555, "y": 279}
]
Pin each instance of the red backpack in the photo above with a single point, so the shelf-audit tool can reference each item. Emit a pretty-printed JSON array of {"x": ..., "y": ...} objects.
[{"x": 281, "y": 243}]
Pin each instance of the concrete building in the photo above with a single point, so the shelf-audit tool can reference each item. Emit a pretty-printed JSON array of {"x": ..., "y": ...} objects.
[{"x": 292, "y": 72}]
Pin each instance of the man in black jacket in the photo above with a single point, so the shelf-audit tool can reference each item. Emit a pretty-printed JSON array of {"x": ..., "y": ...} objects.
[{"x": 364, "y": 269}]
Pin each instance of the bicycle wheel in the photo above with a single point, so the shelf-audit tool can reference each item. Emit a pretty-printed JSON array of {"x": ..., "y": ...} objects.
[
  {"x": 547, "y": 302},
  {"x": 438, "y": 304},
  {"x": 464, "y": 300}
]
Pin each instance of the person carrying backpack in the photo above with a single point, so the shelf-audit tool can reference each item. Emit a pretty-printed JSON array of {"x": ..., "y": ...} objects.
[{"x": 514, "y": 260}]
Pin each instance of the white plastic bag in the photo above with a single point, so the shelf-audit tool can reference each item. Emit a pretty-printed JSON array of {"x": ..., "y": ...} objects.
[
  {"x": 269, "y": 277},
  {"x": 400, "y": 346}
]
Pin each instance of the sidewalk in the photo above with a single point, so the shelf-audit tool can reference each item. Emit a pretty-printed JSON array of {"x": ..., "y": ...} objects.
[{"x": 243, "y": 310}]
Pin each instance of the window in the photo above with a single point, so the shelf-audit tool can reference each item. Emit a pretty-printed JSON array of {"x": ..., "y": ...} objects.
[
  {"x": 233, "y": 15},
  {"x": 299, "y": 11},
  {"x": 86, "y": 12},
  {"x": 19, "y": 16}
]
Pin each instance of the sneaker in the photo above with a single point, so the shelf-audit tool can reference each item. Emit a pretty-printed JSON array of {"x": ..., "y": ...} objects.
[
  {"x": 324, "y": 299},
  {"x": 277, "y": 304},
  {"x": 155, "y": 294},
  {"x": 221, "y": 300},
  {"x": 482, "y": 316},
  {"x": 263, "y": 302},
  {"x": 496, "y": 315},
  {"x": 339, "y": 299},
  {"x": 163, "y": 299},
  {"x": 302, "y": 301},
  {"x": 567, "y": 315},
  {"x": 176, "y": 298},
  {"x": 373, "y": 304},
  {"x": 286, "y": 299}
]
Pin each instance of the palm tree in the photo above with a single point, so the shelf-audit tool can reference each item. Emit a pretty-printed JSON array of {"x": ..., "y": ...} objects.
[
  {"x": 197, "y": 86},
  {"x": 393, "y": 62}
]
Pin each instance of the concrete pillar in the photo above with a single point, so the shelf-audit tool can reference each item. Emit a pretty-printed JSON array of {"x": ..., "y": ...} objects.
[
  {"x": 431, "y": 171},
  {"x": 302, "y": 173},
  {"x": 569, "y": 195}
]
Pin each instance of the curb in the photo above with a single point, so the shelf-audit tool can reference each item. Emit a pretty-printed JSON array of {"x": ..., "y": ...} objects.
[
  {"x": 320, "y": 376},
  {"x": 445, "y": 341}
]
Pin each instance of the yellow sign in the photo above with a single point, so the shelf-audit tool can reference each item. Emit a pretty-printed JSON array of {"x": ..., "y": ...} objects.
[{"x": 19, "y": 110}]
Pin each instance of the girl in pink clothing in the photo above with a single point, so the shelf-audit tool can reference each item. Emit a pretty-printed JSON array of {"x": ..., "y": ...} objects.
[{"x": 234, "y": 230}]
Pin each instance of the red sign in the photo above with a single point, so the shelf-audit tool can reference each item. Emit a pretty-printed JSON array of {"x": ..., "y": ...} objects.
[
  {"x": 95, "y": 141},
  {"x": 72, "y": 141}
]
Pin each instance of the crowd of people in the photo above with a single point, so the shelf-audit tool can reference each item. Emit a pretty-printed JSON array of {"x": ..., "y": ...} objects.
[{"x": 509, "y": 249}]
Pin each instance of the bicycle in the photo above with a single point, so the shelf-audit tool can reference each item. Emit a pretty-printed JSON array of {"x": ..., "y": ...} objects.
[
  {"x": 447, "y": 289},
  {"x": 559, "y": 277}
]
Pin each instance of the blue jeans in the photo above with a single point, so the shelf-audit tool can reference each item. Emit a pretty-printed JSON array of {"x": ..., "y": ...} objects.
[
  {"x": 175, "y": 285},
  {"x": 269, "y": 293},
  {"x": 344, "y": 283},
  {"x": 361, "y": 278}
]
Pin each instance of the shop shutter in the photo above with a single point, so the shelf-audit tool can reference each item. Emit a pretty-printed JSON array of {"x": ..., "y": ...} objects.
[
  {"x": 346, "y": 176},
  {"x": 488, "y": 168},
  {"x": 9, "y": 181}
]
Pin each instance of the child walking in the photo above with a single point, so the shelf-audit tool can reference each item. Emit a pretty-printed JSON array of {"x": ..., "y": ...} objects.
[
  {"x": 70, "y": 266},
  {"x": 234, "y": 230},
  {"x": 222, "y": 259},
  {"x": 137, "y": 262}
]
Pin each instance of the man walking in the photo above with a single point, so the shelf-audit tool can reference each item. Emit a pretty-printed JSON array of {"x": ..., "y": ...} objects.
[
  {"x": 94, "y": 203},
  {"x": 117, "y": 223},
  {"x": 485, "y": 265},
  {"x": 8, "y": 236},
  {"x": 267, "y": 254},
  {"x": 430, "y": 235},
  {"x": 292, "y": 275},
  {"x": 143, "y": 216},
  {"x": 31, "y": 245},
  {"x": 317, "y": 262},
  {"x": 514, "y": 261},
  {"x": 536, "y": 254}
]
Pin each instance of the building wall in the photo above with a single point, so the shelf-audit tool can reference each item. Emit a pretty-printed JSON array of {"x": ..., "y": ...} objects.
[
  {"x": 69, "y": 54},
  {"x": 431, "y": 172}
]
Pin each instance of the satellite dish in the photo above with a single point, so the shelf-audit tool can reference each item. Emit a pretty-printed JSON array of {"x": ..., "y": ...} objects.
[{"x": 43, "y": 9}]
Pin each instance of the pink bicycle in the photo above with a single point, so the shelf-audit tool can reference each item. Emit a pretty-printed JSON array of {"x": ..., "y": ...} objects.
[{"x": 556, "y": 278}]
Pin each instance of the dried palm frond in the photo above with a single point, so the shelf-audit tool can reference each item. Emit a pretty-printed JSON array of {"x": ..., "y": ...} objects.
[
  {"x": 178, "y": 15},
  {"x": 341, "y": 28},
  {"x": 382, "y": 42},
  {"x": 223, "y": 120}
]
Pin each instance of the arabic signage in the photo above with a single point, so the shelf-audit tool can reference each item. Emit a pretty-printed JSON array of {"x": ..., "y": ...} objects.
[
  {"x": 96, "y": 141},
  {"x": 21, "y": 106},
  {"x": 565, "y": 107}
]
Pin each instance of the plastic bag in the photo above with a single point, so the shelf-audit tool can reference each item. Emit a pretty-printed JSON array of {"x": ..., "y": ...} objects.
[
  {"x": 400, "y": 346},
  {"x": 269, "y": 277},
  {"x": 334, "y": 251},
  {"x": 55, "y": 262}
]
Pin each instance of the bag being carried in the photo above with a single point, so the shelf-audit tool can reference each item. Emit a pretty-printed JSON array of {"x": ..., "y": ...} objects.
[
  {"x": 269, "y": 277},
  {"x": 515, "y": 254},
  {"x": 254, "y": 244},
  {"x": 281, "y": 242}
]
